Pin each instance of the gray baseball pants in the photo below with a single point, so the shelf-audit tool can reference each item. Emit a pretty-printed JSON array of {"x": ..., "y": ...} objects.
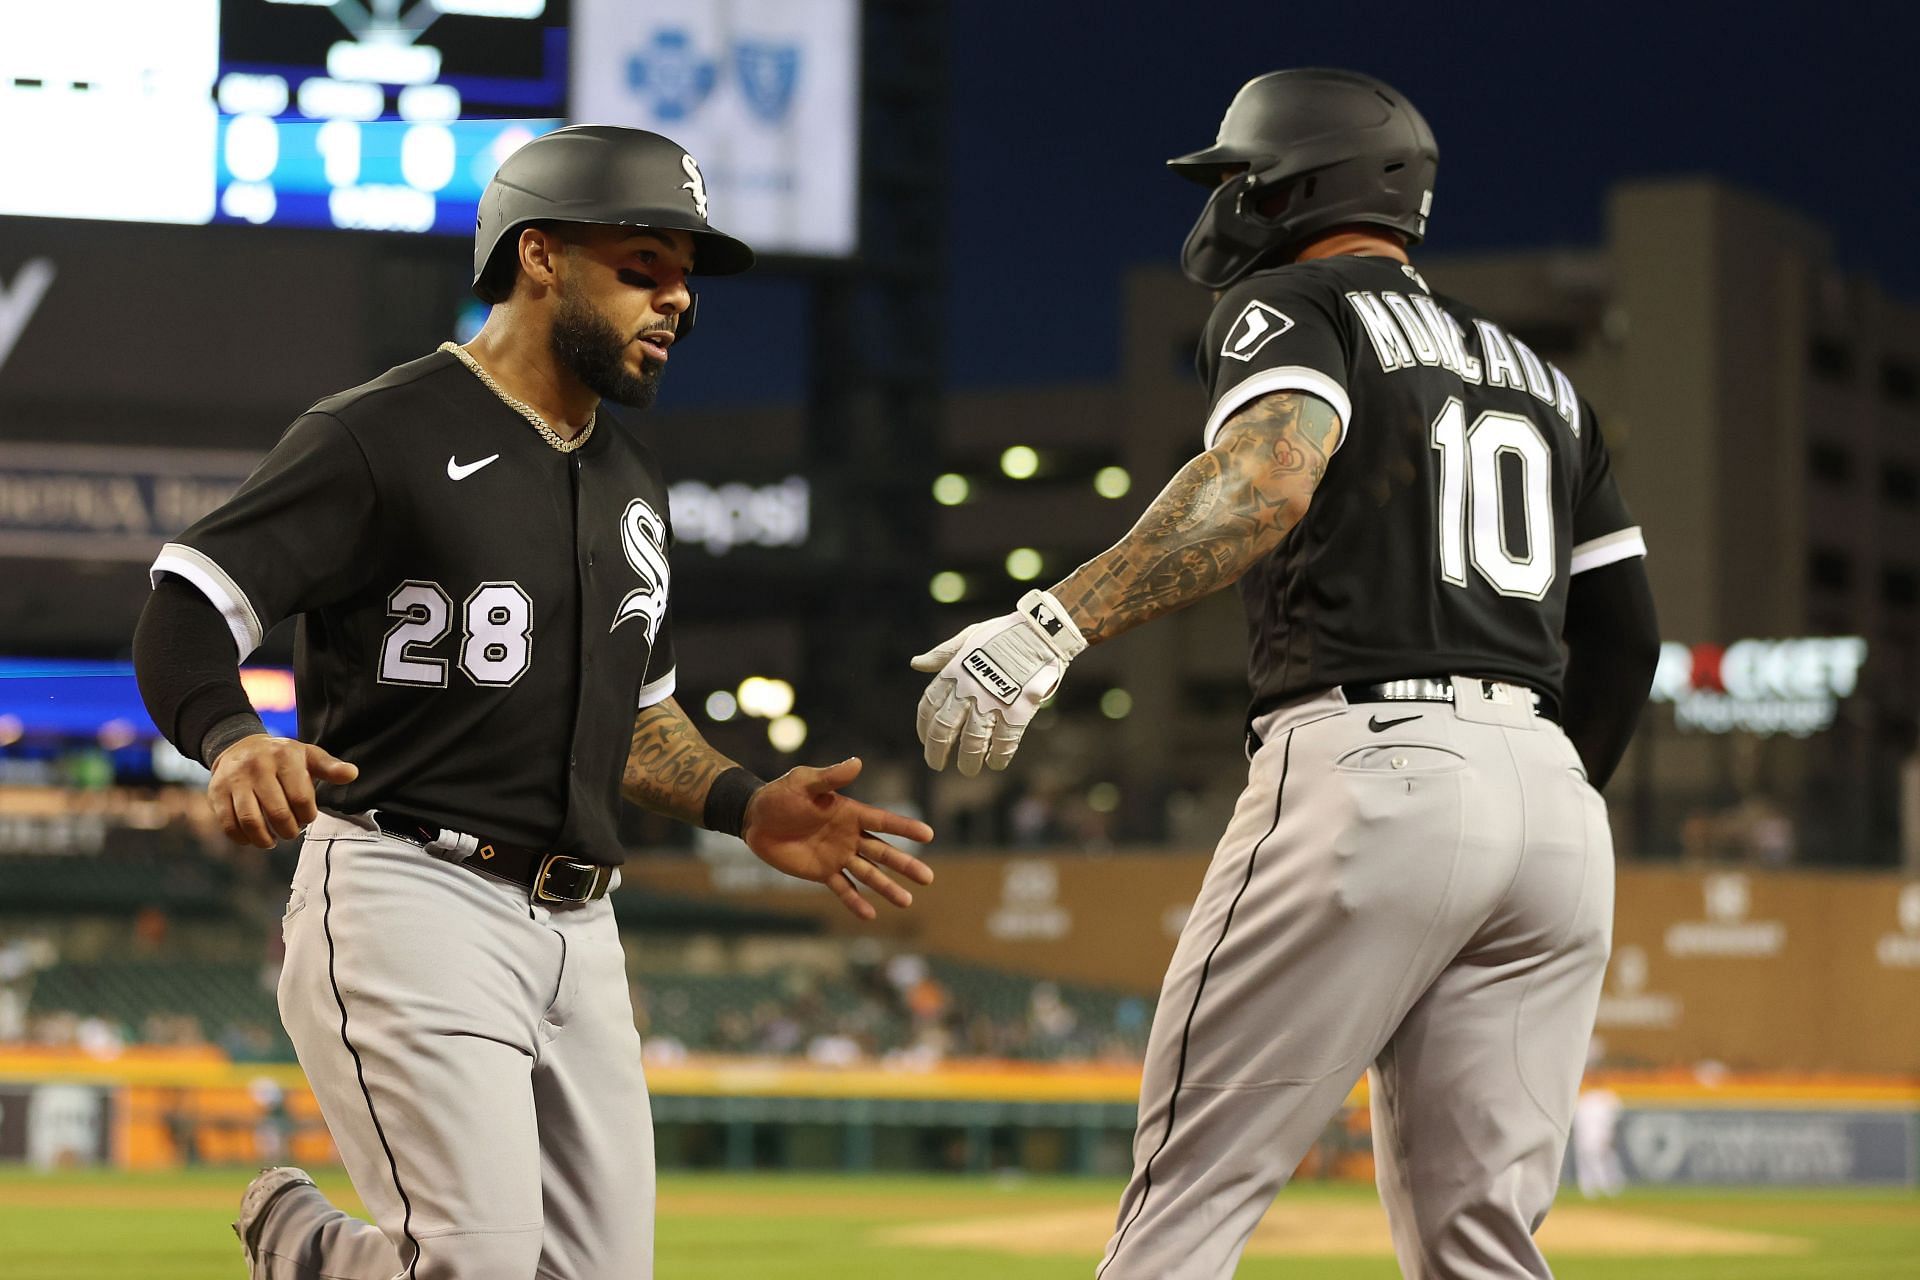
[
  {"x": 1431, "y": 899},
  {"x": 476, "y": 1060}
]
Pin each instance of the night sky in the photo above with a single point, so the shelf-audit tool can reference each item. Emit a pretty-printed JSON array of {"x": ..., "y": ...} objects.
[{"x": 1062, "y": 120}]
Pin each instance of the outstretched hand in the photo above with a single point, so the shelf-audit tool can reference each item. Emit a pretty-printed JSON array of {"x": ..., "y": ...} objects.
[
  {"x": 262, "y": 788},
  {"x": 800, "y": 824}
]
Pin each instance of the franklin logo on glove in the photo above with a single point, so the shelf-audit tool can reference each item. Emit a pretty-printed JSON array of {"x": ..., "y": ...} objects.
[
  {"x": 977, "y": 706},
  {"x": 981, "y": 665}
]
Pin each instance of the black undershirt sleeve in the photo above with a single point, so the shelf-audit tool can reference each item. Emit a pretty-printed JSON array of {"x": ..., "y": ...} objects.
[
  {"x": 185, "y": 661},
  {"x": 1613, "y": 645}
]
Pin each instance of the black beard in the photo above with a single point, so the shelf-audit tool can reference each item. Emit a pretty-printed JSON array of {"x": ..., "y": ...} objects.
[{"x": 590, "y": 348}]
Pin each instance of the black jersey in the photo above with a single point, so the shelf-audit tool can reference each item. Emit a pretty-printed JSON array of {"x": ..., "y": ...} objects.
[
  {"x": 480, "y": 613},
  {"x": 1469, "y": 485}
]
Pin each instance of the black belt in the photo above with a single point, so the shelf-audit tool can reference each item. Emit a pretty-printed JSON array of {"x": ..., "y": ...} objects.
[
  {"x": 1439, "y": 689},
  {"x": 1422, "y": 689},
  {"x": 547, "y": 877}
]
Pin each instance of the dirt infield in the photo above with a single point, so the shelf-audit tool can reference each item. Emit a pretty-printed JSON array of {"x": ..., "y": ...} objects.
[{"x": 1350, "y": 1230}]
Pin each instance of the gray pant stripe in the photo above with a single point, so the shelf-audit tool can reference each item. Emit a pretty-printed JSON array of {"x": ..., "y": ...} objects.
[
  {"x": 360, "y": 1070},
  {"x": 1186, "y": 1034}
]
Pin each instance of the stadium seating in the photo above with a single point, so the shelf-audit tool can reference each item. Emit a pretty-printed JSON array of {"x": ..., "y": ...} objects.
[
  {"x": 227, "y": 1001},
  {"x": 114, "y": 883}
]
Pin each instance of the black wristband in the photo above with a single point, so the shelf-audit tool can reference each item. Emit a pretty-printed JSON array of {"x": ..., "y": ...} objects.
[
  {"x": 227, "y": 732},
  {"x": 727, "y": 796}
]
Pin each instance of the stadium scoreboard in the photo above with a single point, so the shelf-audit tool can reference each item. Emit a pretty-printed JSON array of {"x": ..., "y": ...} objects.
[
  {"x": 392, "y": 115},
  {"x": 386, "y": 115}
]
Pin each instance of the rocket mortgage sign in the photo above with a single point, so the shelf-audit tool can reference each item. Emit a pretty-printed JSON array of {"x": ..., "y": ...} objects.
[{"x": 1790, "y": 686}]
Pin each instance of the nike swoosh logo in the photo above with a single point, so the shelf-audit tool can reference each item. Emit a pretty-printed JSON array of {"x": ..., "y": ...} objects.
[
  {"x": 1376, "y": 724},
  {"x": 460, "y": 471}
]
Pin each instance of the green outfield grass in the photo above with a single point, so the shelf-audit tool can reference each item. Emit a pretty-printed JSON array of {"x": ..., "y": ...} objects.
[{"x": 92, "y": 1226}]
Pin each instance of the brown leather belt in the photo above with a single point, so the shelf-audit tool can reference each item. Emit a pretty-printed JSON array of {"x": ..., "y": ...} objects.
[{"x": 547, "y": 877}]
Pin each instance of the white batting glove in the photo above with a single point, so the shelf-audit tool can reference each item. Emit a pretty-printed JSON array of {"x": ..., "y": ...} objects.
[{"x": 992, "y": 678}]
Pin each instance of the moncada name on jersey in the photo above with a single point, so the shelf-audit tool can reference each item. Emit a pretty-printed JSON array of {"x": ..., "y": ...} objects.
[{"x": 1409, "y": 332}]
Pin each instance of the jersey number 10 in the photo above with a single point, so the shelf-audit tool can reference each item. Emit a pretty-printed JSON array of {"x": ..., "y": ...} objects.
[
  {"x": 495, "y": 650},
  {"x": 1475, "y": 500}
]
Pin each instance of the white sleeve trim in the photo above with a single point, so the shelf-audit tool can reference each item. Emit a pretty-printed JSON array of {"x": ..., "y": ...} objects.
[
  {"x": 659, "y": 691},
  {"x": 1291, "y": 377},
  {"x": 1621, "y": 544},
  {"x": 218, "y": 587}
]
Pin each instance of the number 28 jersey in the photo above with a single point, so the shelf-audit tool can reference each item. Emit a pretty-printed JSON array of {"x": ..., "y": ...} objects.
[
  {"x": 1469, "y": 486},
  {"x": 480, "y": 614}
]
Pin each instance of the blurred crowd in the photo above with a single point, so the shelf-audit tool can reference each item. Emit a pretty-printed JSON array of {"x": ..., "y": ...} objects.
[
  {"x": 1049, "y": 806},
  {"x": 101, "y": 1037},
  {"x": 171, "y": 869},
  {"x": 1757, "y": 830},
  {"x": 874, "y": 1007},
  {"x": 896, "y": 1011}
]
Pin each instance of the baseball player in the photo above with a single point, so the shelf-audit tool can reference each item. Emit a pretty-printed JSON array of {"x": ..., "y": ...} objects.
[
  {"x": 1451, "y": 636},
  {"x": 485, "y": 667}
]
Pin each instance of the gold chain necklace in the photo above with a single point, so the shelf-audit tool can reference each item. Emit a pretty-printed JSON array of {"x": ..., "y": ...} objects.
[{"x": 525, "y": 410}]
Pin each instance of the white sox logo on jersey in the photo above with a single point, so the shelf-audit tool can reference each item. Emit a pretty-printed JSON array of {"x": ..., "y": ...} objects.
[
  {"x": 698, "y": 185},
  {"x": 643, "y": 536},
  {"x": 1258, "y": 325}
]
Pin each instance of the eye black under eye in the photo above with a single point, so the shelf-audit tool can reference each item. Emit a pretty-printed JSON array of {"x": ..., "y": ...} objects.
[{"x": 638, "y": 279}]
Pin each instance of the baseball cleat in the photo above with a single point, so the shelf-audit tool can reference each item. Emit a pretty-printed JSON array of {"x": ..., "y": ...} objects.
[{"x": 266, "y": 1188}]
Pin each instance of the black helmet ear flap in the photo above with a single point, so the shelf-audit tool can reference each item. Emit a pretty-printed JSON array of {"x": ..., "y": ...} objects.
[
  {"x": 1229, "y": 237},
  {"x": 683, "y": 324}
]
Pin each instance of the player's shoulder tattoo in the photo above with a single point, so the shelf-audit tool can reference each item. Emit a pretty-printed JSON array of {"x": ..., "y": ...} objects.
[
  {"x": 1287, "y": 432},
  {"x": 1224, "y": 510}
]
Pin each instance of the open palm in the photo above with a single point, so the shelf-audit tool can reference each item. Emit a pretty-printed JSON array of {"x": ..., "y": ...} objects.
[{"x": 800, "y": 824}]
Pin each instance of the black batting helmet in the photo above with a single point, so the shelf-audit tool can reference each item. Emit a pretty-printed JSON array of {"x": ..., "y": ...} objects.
[
  {"x": 1321, "y": 149},
  {"x": 601, "y": 174}
]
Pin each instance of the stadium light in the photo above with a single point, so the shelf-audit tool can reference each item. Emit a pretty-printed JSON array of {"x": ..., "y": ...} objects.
[
  {"x": 948, "y": 587},
  {"x": 1020, "y": 463},
  {"x": 1116, "y": 704},
  {"x": 787, "y": 733},
  {"x": 751, "y": 695},
  {"x": 1103, "y": 797},
  {"x": 722, "y": 706},
  {"x": 1112, "y": 482},
  {"x": 779, "y": 699},
  {"x": 764, "y": 698},
  {"x": 1024, "y": 564},
  {"x": 951, "y": 489},
  {"x": 115, "y": 734}
]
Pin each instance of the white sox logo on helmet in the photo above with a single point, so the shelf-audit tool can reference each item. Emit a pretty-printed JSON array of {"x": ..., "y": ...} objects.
[
  {"x": 696, "y": 184},
  {"x": 643, "y": 536}
]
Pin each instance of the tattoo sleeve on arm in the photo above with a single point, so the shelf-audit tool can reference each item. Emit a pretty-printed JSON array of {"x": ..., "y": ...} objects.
[
  {"x": 669, "y": 765},
  {"x": 1218, "y": 515}
]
